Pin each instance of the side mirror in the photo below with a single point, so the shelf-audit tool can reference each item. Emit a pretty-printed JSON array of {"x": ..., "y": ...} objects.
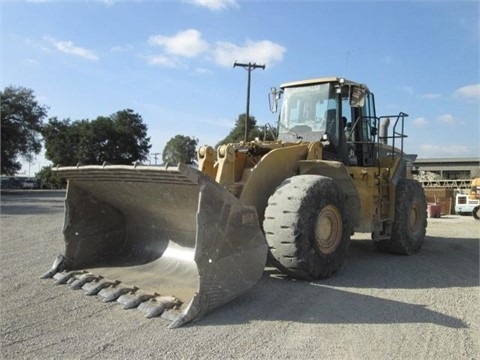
[
  {"x": 357, "y": 97},
  {"x": 273, "y": 97}
]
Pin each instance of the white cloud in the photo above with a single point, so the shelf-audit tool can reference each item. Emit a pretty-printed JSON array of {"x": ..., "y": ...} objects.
[
  {"x": 121, "y": 48},
  {"x": 31, "y": 62},
  {"x": 187, "y": 43},
  {"x": 203, "y": 71},
  {"x": 164, "y": 61},
  {"x": 261, "y": 52},
  {"x": 430, "y": 96},
  {"x": 429, "y": 150},
  {"x": 420, "y": 121},
  {"x": 68, "y": 47},
  {"x": 448, "y": 119},
  {"x": 215, "y": 5},
  {"x": 190, "y": 44},
  {"x": 469, "y": 92}
]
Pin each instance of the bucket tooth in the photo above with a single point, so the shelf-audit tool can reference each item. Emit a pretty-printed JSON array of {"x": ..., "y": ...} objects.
[
  {"x": 132, "y": 300},
  {"x": 113, "y": 293},
  {"x": 157, "y": 306},
  {"x": 82, "y": 280},
  {"x": 57, "y": 264},
  {"x": 93, "y": 288},
  {"x": 63, "y": 278}
]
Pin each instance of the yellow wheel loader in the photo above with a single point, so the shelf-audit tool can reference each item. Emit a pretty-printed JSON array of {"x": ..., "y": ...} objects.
[{"x": 179, "y": 242}]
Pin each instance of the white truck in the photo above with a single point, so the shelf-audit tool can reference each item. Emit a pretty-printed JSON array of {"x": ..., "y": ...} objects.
[
  {"x": 29, "y": 184},
  {"x": 469, "y": 204}
]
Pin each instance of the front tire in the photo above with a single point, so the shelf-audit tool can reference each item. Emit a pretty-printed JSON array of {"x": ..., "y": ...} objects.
[{"x": 307, "y": 227}]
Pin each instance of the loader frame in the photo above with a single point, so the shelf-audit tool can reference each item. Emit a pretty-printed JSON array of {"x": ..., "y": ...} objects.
[{"x": 252, "y": 171}]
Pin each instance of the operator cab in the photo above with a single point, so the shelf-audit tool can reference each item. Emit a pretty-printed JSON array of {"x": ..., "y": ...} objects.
[{"x": 334, "y": 111}]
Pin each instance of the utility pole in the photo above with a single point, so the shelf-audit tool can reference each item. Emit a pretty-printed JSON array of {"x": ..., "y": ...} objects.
[
  {"x": 155, "y": 157},
  {"x": 249, "y": 67}
]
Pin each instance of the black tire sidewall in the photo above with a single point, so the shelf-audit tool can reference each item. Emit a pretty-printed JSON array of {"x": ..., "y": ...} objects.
[
  {"x": 475, "y": 213},
  {"x": 316, "y": 264},
  {"x": 409, "y": 194}
]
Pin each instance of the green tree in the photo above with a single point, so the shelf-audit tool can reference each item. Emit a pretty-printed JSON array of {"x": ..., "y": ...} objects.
[
  {"x": 21, "y": 122},
  {"x": 237, "y": 134},
  {"x": 180, "y": 149},
  {"x": 120, "y": 138},
  {"x": 49, "y": 179},
  {"x": 132, "y": 143},
  {"x": 66, "y": 141}
]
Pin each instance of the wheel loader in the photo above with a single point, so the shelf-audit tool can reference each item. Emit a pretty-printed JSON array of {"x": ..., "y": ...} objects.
[{"x": 181, "y": 241}]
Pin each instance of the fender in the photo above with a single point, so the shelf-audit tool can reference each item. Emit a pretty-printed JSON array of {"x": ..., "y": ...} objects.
[{"x": 273, "y": 168}]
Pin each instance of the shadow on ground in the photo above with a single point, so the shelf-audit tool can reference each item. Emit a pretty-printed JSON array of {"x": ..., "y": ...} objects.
[{"x": 443, "y": 263}]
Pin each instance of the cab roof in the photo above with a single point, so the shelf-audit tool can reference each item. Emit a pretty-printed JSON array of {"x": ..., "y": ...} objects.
[{"x": 320, "y": 81}]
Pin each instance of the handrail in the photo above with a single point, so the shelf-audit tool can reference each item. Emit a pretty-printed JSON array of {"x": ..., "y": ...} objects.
[{"x": 375, "y": 123}]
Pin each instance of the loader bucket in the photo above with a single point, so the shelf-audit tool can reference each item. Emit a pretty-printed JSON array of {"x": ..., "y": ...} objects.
[{"x": 165, "y": 240}]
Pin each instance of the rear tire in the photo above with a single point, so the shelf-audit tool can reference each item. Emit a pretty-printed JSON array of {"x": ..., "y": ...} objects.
[
  {"x": 476, "y": 212},
  {"x": 307, "y": 227},
  {"x": 409, "y": 225}
]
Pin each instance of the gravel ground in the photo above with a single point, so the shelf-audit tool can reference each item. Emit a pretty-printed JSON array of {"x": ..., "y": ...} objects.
[{"x": 378, "y": 306}]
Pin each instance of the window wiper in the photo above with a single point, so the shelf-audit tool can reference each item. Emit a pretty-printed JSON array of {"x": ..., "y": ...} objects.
[
  {"x": 298, "y": 137},
  {"x": 291, "y": 132}
]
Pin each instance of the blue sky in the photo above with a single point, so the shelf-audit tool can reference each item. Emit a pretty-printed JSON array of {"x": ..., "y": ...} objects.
[{"x": 171, "y": 61}]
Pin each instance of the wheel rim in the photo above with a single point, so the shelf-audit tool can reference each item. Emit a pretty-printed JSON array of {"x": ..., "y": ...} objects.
[
  {"x": 413, "y": 218},
  {"x": 328, "y": 229}
]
